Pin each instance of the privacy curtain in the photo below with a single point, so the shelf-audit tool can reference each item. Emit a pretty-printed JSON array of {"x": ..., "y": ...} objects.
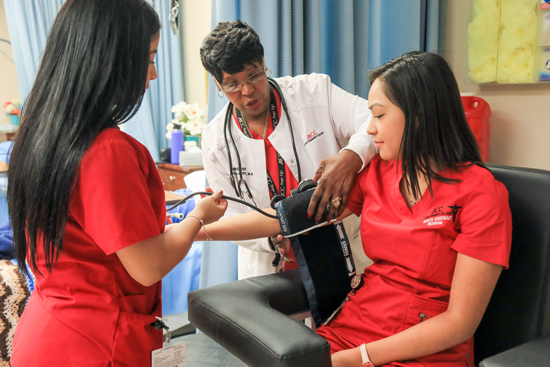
[
  {"x": 29, "y": 24},
  {"x": 341, "y": 38}
]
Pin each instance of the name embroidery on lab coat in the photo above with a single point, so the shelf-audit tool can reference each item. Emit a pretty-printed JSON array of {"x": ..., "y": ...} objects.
[{"x": 243, "y": 171}]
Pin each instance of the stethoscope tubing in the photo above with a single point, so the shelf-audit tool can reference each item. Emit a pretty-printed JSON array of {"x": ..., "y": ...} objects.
[
  {"x": 227, "y": 128},
  {"x": 207, "y": 193}
]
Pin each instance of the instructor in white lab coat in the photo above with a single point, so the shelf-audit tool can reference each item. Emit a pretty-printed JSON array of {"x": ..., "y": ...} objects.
[{"x": 329, "y": 141}]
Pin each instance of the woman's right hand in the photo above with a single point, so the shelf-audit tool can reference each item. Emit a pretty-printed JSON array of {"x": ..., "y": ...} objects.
[{"x": 210, "y": 208}]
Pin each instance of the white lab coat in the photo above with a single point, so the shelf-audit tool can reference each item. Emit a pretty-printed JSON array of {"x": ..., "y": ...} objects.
[{"x": 324, "y": 119}]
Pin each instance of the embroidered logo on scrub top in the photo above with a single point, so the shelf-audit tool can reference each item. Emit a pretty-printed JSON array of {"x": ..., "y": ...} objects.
[
  {"x": 455, "y": 208},
  {"x": 439, "y": 215},
  {"x": 312, "y": 136}
]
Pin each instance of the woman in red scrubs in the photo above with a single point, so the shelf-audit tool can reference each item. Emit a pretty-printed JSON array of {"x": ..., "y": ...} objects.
[
  {"x": 85, "y": 199},
  {"x": 435, "y": 222}
]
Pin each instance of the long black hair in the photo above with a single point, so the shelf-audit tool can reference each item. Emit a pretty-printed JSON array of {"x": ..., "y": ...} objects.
[
  {"x": 92, "y": 76},
  {"x": 436, "y": 133}
]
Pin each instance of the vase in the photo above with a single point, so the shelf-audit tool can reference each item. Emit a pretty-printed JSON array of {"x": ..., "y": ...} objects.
[
  {"x": 176, "y": 146},
  {"x": 195, "y": 138},
  {"x": 14, "y": 120}
]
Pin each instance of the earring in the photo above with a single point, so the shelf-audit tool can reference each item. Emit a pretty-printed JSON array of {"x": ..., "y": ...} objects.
[{"x": 220, "y": 95}]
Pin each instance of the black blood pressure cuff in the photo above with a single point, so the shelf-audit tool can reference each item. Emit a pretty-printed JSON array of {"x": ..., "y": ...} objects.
[
  {"x": 292, "y": 214},
  {"x": 323, "y": 255}
]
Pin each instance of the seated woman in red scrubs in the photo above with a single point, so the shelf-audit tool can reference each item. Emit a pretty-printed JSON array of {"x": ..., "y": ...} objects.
[
  {"x": 435, "y": 222},
  {"x": 85, "y": 199}
]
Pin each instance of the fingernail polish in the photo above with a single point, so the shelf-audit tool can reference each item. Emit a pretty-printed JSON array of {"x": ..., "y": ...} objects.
[{"x": 309, "y": 214}]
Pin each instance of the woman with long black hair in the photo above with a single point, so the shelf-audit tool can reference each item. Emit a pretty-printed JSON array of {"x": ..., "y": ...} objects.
[
  {"x": 86, "y": 201},
  {"x": 435, "y": 222}
]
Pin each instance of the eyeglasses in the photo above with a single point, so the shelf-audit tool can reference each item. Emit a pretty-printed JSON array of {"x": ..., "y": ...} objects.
[{"x": 253, "y": 79}]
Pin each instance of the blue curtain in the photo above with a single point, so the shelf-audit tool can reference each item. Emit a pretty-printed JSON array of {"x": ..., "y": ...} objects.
[
  {"x": 341, "y": 38},
  {"x": 29, "y": 24},
  {"x": 149, "y": 124}
]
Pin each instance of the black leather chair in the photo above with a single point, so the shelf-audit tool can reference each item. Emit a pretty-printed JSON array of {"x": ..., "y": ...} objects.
[{"x": 249, "y": 317}]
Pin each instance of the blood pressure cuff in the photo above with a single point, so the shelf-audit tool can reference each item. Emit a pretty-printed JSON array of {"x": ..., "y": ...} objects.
[
  {"x": 292, "y": 214},
  {"x": 323, "y": 255}
]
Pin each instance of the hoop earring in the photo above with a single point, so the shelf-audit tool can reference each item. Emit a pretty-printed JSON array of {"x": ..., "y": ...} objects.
[
  {"x": 266, "y": 70},
  {"x": 221, "y": 96}
]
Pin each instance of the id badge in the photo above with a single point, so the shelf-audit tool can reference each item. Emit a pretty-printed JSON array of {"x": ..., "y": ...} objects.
[{"x": 170, "y": 356}]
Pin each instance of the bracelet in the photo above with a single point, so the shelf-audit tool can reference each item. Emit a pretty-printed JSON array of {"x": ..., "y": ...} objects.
[
  {"x": 203, "y": 227},
  {"x": 365, "y": 356}
]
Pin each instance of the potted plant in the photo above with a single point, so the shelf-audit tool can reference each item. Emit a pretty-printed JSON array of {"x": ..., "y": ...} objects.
[
  {"x": 188, "y": 123},
  {"x": 13, "y": 109}
]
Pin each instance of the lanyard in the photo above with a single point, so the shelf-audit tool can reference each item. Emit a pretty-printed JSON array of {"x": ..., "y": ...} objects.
[{"x": 280, "y": 162}]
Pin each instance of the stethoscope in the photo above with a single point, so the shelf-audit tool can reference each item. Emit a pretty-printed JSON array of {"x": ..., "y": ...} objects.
[{"x": 237, "y": 179}]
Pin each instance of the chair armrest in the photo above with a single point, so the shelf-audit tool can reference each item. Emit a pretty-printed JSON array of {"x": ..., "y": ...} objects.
[
  {"x": 533, "y": 353},
  {"x": 249, "y": 319}
]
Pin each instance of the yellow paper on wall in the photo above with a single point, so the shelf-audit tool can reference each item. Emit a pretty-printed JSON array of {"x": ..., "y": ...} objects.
[
  {"x": 517, "y": 41},
  {"x": 483, "y": 34},
  {"x": 501, "y": 41}
]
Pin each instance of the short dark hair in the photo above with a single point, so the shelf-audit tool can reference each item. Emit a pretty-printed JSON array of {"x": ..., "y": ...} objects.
[
  {"x": 229, "y": 48},
  {"x": 436, "y": 131},
  {"x": 92, "y": 76}
]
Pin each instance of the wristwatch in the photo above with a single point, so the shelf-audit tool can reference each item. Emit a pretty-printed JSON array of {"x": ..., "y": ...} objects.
[{"x": 365, "y": 356}]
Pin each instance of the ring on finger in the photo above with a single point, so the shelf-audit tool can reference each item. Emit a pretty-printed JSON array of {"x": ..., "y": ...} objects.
[{"x": 336, "y": 200}]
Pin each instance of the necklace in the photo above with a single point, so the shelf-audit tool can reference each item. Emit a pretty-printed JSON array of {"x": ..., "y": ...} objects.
[{"x": 266, "y": 121}]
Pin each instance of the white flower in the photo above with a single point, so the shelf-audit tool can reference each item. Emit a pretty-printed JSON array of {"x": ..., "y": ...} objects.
[
  {"x": 178, "y": 108},
  {"x": 10, "y": 108},
  {"x": 189, "y": 117},
  {"x": 193, "y": 110},
  {"x": 195, "y": 125},
  {"x": 16, "y": 101}
]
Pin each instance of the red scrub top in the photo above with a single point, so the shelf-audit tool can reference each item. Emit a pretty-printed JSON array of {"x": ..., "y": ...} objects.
[
  {"x": 414, "y": 253},
  {"x": 272, "y": 166},
  {"x": 88, "y": 311}
]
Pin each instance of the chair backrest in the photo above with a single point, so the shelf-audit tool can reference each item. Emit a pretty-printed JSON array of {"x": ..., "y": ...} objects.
[
  {"x": 15, "y": 291},
  {"x": 519, "y": 310}
]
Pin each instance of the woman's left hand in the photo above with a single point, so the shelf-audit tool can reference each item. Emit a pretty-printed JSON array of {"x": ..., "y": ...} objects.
[
  {"x": 347, "y": 358},
  {"x": 282, "y": 246}
]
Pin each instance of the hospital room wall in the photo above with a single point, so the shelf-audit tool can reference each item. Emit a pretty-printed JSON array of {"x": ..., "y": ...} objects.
[
  {"x": 8, "y": 77},
  {"x": 195, "y": 26},
  {"x": 520, "y": 122}
]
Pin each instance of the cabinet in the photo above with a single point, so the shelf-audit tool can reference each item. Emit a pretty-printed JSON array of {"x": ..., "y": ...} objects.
[{"x": 172, "y": 175}]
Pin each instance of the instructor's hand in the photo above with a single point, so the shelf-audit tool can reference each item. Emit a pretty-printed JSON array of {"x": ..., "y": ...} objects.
[{"x": 335, "y": 176}]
